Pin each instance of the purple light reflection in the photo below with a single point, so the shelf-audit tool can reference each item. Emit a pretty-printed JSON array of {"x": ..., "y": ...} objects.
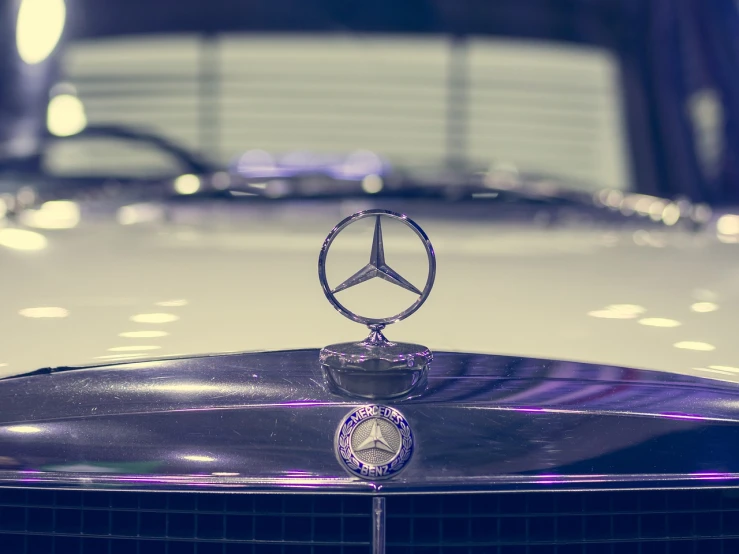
[
  {"x": 305, "y": 403},
  {"x": 355, "y": 166},
  {"x": 677, "y": 415},
  {"x": 712, "y": 475}
]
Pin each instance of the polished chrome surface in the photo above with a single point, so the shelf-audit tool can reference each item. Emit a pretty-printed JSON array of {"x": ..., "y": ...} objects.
[
  {"x": 376, "y": 367},
  {"x": 266, "y": 421},
  {"x": 374, "y": 442},
  {"x": 377, "y": 267},
  {"x": 378, "y": 525}
]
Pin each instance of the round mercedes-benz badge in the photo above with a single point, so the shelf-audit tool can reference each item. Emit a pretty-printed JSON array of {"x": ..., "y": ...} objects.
[{"x": 374, "y": 442}]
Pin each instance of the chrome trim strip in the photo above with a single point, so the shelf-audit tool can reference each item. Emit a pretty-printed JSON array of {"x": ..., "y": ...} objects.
[
  {"x": 378, "y": 525},
  {"x": 349, "y": 485}
]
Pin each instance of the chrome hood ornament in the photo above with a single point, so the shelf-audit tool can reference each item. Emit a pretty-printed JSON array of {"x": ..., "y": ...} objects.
[{"x": 376, "y": 367}]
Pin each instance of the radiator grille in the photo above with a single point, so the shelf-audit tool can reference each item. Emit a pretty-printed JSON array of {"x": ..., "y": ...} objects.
[
  {"x": 70, "y": 522},
  {"x": 628, "y": 522},
  {"x": 38, "y": 521}
]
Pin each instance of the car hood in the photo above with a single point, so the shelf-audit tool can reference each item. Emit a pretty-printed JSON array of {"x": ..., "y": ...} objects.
[
  {"x": 267, "y": 421},
  {"x": 144, "y": 281}
]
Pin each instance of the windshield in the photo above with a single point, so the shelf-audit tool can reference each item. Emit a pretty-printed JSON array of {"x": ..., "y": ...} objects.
[{"x": 270, "y": 105}]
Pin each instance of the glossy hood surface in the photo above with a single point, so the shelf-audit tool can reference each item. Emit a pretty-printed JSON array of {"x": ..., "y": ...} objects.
[
  {"x": 144, "y": 281},
  {"x": 266, "y": 421}
]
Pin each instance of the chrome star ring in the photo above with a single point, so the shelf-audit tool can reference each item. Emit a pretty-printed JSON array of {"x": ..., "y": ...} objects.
[{"x": 377, "y": 267}]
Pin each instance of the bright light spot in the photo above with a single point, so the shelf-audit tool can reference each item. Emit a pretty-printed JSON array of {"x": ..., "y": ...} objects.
[
  {"x": 38, "y": 28},
  {"x": 187, "y": 184},
  {"x": 119, "y": 356},
  {"x": 726, "y": 368},
  {"x": 225, "y": 474},
  {"x": 372, "y": 184},
  {"x": 58, "y": 214},
  {"x": 65, "y": 115},
  {"x": 27, "y": 429},
  {"x": 619, "y": 311},
  {"x": 3, "y": 365},
  {"x": 143, "y": 334},
  {"x": 671, "y": 214},
  {"x": 608, "y": 314},
  {"x": 643, "y": 205},
  {"x": 628, "y": 204},
  {"x": 260, "y": 186},
  {"x": 133, "y": 348},
  {"x": 659, "y": 322},
  {"x": 198, "y": 458},
  {"x": 186, "y": 387},
  {"x": 21, "y": 239},
  {"x": 728, "y": 224},
  {"x": 704, "y": 307},
  {"x": 173, "y": 303},
  {"x": 139, "y": 213},
  {"x": 728, "y": 239},
  {"x": 154, "y": 318},
  {"x": 655, "y": 210},
  {"x": 46, "y": 312},
  {"x": 694, "y": 345},
  {"x": 713, "y": 370}
]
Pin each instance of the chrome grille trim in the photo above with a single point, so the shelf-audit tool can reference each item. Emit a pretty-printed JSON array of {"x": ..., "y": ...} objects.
[{"x": 378, "y": 525}]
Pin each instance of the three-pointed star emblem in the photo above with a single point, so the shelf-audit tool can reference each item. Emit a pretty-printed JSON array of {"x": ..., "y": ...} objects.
[
  {"x": 377, "y": 267},
  {"x": 375, "y": 440}
]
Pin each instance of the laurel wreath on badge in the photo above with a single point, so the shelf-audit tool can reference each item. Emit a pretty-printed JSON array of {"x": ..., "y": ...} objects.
[
  {"x": 344, "y": 447},
  {"x": 406, "y": 449}
]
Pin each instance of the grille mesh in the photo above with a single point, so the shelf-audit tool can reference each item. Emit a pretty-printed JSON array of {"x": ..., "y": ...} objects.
[
  {"x": 37, "y": 521},
  {"x": 70, "y": 522},
  {"x": 628, "y": 522}
]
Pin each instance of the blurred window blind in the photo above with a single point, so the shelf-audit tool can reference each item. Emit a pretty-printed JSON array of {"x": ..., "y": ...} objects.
[
  {"x": 542, "y": 107},
  {"x": 548, "y": 108}
]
